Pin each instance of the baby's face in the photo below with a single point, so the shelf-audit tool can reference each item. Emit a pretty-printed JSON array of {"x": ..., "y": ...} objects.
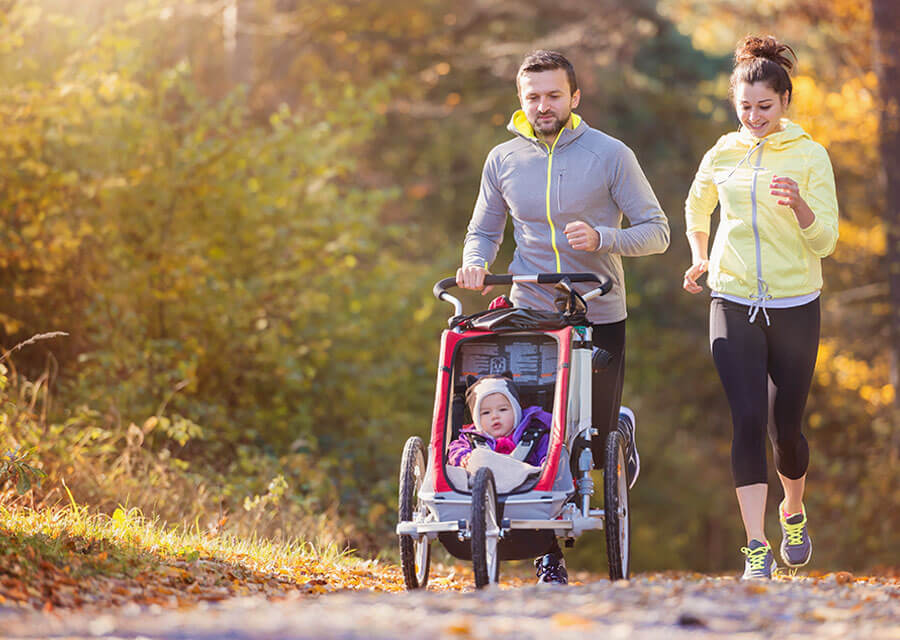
[{"x": 496, "y": 415}]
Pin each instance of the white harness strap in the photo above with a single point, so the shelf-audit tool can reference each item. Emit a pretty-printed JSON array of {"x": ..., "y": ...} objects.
[{"x": 529, "y": 441}]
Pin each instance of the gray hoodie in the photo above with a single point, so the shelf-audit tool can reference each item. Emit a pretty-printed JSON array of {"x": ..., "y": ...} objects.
[{"x": 586, "y": 175}]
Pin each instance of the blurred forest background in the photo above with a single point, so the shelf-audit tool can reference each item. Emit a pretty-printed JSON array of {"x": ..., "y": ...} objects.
[{"x": 236, "y": 210}]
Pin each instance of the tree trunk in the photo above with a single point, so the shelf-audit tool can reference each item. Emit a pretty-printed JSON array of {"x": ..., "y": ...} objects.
[
  {"x": 238, "y": 34},
  {"x": 886, "y": 28}
]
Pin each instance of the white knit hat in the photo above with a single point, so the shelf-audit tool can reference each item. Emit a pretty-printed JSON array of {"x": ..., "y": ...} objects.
[{"x": 485, "y": 387}]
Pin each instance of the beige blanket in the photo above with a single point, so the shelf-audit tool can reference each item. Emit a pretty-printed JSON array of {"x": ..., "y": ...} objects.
[{"x": 509, "y": 473}]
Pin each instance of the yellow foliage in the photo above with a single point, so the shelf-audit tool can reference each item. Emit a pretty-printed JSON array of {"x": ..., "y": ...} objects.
[
  {"x": 867, "y": 379},
  {"x": 859, "y": 11},
  {"x": 844, "y": 114},
  {"x": 870, "y": 239},
  {"x": 9, "y": 324}
]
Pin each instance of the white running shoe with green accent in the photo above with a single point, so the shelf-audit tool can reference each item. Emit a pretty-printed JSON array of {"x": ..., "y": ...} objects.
[{"x": 796, "y": 545}]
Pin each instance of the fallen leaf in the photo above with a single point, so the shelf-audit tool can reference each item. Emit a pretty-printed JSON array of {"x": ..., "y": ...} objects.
[
  {"x": 757, "y": 588},
  {"x": 571, "y": 620},
  {"x": 16, "y": 594},
  {"x": 459, "y": 628},
  {"x": 843, "y": 577}
]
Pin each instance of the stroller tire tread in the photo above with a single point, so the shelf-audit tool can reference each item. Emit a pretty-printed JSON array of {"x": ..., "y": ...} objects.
[
  {"x": 485, "y": 556},
  {"x": 415, "y": 561},
  {"x": 617, "y": 521}
]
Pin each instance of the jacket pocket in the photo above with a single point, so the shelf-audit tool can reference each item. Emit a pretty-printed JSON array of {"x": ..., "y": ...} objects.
[{"x": 559, "y": 188}]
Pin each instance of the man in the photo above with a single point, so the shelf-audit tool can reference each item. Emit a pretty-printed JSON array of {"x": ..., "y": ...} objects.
[{"x": 566, "y": 187}]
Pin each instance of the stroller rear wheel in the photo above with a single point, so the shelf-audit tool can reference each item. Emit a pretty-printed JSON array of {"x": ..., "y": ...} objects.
[
  {"x": 485, "y": 528},
  {"x": 616, "y": 509},
  {"x": 415, "y": 552}
]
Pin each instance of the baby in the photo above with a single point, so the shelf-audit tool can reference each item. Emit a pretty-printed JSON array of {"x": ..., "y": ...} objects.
[{"x": 499, "y": 422}]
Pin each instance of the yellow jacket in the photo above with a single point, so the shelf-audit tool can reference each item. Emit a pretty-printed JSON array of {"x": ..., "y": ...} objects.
[{"x": 760, "y": 251}]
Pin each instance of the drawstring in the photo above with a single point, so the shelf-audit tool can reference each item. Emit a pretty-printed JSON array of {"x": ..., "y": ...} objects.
[
  {"x": 743, "y": 160},
  {"x": 760, "y": 298}
]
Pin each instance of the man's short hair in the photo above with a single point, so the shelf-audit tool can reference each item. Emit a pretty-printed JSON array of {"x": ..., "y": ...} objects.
[{"x": 543, "y": 60}]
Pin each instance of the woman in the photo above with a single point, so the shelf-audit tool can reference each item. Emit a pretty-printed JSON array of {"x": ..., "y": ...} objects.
[{"x": 779, "y": 218}]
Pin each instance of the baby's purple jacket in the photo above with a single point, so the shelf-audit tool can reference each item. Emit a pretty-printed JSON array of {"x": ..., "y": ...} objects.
[{"x": 461, "y": 447}]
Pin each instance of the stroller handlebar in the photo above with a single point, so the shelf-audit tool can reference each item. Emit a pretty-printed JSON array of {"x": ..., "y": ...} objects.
[
  {"x": 605, "y": 284},
  {"x": 540, "y": 278}
]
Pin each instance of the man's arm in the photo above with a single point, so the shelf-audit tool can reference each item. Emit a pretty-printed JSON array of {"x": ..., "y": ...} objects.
[
  {"x": 649, "y": 230},
  {"x": 485, "y": 233}
]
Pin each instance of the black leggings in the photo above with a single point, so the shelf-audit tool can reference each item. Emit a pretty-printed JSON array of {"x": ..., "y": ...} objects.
[
  {"x": 766, "y": 372},
  {"x": 606, "y": 393}
]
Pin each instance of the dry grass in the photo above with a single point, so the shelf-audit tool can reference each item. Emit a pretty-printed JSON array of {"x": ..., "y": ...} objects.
[{"x": 69, "y": 558}]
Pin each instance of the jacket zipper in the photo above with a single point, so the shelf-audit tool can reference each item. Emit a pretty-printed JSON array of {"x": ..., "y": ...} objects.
[
  {"x": 762, "y": 289},
  {"x": 549, "y": 184}
]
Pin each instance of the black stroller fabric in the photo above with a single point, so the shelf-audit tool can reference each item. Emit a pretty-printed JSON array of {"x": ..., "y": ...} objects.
[
  {"x": 515, "y": 320},
  {"x": 572, "y": 312}
]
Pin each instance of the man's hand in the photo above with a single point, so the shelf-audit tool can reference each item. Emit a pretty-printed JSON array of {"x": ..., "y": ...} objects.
[
  {"x": 472, "y": 278},
  {"x": 582, "y": 236}
]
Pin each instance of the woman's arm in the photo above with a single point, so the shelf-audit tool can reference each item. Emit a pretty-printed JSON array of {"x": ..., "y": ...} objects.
[
  {"x": 817, "y": 212},
  {"x": 698, "y": 208},
  {"x": 699, "y": 242}
]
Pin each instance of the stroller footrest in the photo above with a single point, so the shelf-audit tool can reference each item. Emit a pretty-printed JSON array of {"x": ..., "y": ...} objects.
[
  {"x": 574, "y": 526},
  {"x": 540, "y": 524},
  {"x": 410, "y": 528}
]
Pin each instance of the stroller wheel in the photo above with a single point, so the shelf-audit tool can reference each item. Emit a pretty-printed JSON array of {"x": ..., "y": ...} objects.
[
  {"x": 485, "y": 526},
  {"x": 616, "y": 508},
  {"x": 415, "y": 552}
]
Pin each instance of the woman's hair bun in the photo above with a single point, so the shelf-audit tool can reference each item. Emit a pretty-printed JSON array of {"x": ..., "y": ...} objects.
[{"x": 754, "y": 47}]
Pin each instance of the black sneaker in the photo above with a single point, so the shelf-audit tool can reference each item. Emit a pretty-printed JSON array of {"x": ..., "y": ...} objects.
[
  {"x": 627, "y": 425},
  {"x": 551, "y": 569}
]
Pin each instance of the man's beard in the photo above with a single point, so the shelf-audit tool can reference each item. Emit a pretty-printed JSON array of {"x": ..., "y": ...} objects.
[{"x": 548, "y": 128}]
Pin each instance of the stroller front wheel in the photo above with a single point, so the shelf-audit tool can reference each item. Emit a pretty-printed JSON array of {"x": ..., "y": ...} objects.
[
  {"x": 415, "y": 552},
  {"x": 485, "y": 527}
]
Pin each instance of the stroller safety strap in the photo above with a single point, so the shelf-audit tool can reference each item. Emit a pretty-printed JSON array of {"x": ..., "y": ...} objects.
[
  {"x": 530, "y": 439},
  {"x": 476, "y": 439}
]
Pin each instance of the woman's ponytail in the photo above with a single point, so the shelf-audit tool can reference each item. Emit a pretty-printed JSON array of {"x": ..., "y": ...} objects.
[{"x": 764, "y": 59}]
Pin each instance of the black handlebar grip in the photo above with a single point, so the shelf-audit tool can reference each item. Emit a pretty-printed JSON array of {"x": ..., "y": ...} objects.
[
  {"x": 553, "y": 278},
  {"x": 442, "y": 285}
]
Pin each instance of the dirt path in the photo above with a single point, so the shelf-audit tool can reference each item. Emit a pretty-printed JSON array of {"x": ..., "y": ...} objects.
[{"x": 649, "y": 606}]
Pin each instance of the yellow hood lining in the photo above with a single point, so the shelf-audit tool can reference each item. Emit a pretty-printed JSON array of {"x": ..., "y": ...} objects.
[{"x": 521, "y": 124}]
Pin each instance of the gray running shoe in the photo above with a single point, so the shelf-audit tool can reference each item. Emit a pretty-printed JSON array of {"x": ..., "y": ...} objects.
[
  {"x": 626, "y": 427},
  {"x": 796, "y": 546},
  {"x": 759, "y": 563}
]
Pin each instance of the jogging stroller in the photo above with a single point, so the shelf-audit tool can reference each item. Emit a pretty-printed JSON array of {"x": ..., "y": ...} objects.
[{"x": 507, "y": 509}]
